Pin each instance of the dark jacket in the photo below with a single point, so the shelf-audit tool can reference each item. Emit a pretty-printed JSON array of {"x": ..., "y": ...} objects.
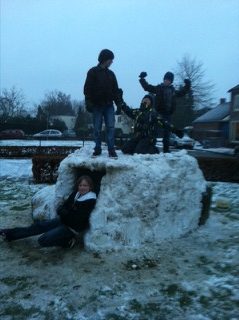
[
  {"x": 165, "y": 100},
  {"x": 101, "y": 87},
  {"x": 75, "y": 214},
  {"x": 147, "y": 122}
]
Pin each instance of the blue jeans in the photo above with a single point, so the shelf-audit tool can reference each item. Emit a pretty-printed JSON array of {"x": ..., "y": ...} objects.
[
  {"x": 54, "y": 233},
  {"x": 107, "y": 112}
]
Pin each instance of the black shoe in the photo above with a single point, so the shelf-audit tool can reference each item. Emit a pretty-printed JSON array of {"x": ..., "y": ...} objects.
[
  {"x": 113, "y": 154},
  {"x": 96, "y": 153}
]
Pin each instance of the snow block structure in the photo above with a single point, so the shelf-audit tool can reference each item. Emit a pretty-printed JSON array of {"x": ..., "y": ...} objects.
[{"x": 142, "y": 199}]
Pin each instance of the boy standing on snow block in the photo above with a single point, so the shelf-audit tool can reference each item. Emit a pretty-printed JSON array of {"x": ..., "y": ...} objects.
[
  {"x": 165, "y": 100},
  {"x": 101, "y": 90}
]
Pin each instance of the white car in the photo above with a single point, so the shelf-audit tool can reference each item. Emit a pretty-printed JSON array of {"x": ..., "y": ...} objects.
[
  {"x": 50, "y": 133},
  {"x": 184, "y": 142}
]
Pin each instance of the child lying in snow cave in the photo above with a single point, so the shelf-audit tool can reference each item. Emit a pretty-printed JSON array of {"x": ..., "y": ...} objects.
[{"x": 71, "y": 224}]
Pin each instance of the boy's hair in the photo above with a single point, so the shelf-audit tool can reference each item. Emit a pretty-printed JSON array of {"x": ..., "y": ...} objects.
[
  {"x": 87, "y": 179},
  {"x": 150, "y": 97}
]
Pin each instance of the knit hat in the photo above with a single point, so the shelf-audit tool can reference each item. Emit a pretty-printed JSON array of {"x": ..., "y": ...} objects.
[
  {"x": 169, "y": 76},
  {"x": 105, "y": 55}
]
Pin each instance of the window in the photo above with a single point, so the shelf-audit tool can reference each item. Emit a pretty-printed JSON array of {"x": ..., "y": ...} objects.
[
  {"x": 235, "y": 105},
  {"x": 235, "y": 131}
]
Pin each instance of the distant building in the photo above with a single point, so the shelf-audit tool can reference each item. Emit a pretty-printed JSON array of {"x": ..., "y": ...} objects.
[
  {"x": 234, "y": 115},
  {"x": 213, "y": 126},
  {"x": 124, "y": 123}
]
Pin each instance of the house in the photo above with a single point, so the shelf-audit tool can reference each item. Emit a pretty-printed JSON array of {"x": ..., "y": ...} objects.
[
  {"x": 212, "y": 128},
  {"x": 124, "y": 123},
  {"x": 234, "y": 116}
]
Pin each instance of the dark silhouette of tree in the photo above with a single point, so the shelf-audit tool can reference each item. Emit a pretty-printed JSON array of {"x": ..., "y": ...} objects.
[
  {"x": 56, "y": 103},
  {"x": 184, "y": 113},
  {"x": 189, "y": 68},
  {"x": 83, "y": 119},
  {"x": 200, "y": 96},
  {"x": 59, "y": 125},
  {"x": 12, "y": 103}
]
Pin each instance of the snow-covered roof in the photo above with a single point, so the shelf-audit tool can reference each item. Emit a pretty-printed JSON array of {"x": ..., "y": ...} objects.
[{"x": 219, "y": 113}]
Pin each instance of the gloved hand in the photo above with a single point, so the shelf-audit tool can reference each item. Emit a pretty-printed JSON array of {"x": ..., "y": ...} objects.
[
  {"x": 118, "y": 110},
  {"x": 143, "y": 74},
  {"x": 120, "y": 94},
  {"x": 88, "y": 105},
  {"x": 187, "y": 83}
]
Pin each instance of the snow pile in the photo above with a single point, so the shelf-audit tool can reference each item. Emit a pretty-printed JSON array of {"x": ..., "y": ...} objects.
[
  {"x": 44, "y": 209},
  {"x": 143, "y": 199},
  {"x": 16, "y": 169}
]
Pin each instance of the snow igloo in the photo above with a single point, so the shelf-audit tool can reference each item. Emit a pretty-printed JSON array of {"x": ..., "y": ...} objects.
[{"x": 141, "y": 199}]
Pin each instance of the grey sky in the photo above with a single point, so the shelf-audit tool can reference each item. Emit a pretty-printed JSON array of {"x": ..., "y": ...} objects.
[{"x": 50, "y": 44}]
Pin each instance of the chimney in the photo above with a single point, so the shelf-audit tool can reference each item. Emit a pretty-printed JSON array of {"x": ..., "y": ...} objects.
[{"x": 222, "y": 100}]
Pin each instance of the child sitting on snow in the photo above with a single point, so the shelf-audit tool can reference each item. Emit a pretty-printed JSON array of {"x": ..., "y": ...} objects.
[{"x": 146, "y": 127}]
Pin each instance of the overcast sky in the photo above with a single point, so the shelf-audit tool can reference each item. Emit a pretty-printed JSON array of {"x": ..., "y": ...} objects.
[{"x": 50, "y": 44}]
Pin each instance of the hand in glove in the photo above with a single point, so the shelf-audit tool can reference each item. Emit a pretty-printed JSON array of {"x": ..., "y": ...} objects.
[
  {"x": 118, "y": 111},
  {"x": 143, "y": 74},
  {"x": 88, "y": 105},
  {"x": 187, "y": 83},
  {"x": 120, "y": 94}
]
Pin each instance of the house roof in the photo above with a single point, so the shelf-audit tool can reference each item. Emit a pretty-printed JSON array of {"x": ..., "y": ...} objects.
[
  {"x": 234, "y": 88},
  {"x": 216, "y": 114}
]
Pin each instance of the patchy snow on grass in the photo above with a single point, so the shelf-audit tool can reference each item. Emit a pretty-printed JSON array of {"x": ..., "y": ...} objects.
[
  {"x": 16, "y": 169},
  {"x": 193, "y": 278}
]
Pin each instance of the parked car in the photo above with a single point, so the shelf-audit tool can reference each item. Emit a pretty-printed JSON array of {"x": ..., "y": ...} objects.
[
  {"x": 184, "y": 142},
  {"x": 12, "y": 134},
  {"x": 50, "y": 133},
  {"x": 69, "y": 133}
]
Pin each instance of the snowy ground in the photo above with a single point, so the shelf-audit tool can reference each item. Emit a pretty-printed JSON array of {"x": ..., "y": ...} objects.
[
  {"x": 76, "y": 143},
  {"x": 194, "y": 278},
  {"x": 43, "y": 143}
]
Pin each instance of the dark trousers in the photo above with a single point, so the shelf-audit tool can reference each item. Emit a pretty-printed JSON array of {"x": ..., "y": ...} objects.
[
  {"x": 54, "y": 233},
  {"x": 166, "y": 121},
  {"x": 140, "y": 145}
]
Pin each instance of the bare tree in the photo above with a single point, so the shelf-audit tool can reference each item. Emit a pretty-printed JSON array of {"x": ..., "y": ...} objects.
[
  {"x": 202, "y": 89},
  {"x": 12, "y": 103},
  {"x": 57, "y": 103}
]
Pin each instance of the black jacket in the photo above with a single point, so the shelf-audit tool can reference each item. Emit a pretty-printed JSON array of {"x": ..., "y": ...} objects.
[
  {"x": 101, "y": 87},
  {"x": 165, "y": 100},
  {"x": 76, "y": 214},
  {"x": 147, "y": 122}
]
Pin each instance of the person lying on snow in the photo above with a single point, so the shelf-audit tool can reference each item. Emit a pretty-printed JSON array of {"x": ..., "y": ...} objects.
[
  {"x": 71, "y": 224},
  {"x": 146, "y": 127}
]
